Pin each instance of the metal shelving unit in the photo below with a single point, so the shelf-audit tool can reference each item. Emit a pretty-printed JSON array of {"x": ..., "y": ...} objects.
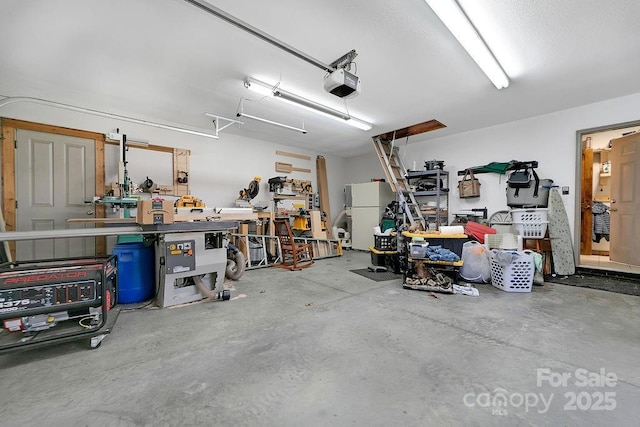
[{"x": 436, "y": 182}]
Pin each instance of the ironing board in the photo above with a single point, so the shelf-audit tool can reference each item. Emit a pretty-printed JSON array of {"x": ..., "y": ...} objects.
[{"x": 560, "y": 236}]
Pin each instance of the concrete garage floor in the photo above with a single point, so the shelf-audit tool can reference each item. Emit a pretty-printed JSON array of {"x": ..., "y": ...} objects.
[{"x": 325, "y": 346}]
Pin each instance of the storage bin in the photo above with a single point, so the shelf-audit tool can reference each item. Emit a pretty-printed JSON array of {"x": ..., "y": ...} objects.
[
  {"x": 378, "y": 259},
  {"x": 136, "y": 272},
  {"x": 385, "y": 259},
  {"x": 492, "y": 241},
  {"x": 418, "y": 250},
  {"x": 530, "y": 223},
  {"x": 517, "y": 276},
  {"x": 385, "y": 243}
]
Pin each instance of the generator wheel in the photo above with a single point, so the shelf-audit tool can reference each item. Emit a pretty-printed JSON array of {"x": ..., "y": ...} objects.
[{"x": 235, "y": 266}]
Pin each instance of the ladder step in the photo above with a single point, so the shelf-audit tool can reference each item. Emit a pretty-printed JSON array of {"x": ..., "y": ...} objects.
[{"x": 395, "y": 171}]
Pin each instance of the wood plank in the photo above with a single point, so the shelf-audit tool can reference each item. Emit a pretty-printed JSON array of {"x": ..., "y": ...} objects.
[
  {"x": 295, "y": 169},
  {"x": 284, "y": 167},
  {"x": 416, "y": 129},
  {"x": 586, "y": 196},
  {"x": 295, "y": 155},
  {"x": 180, "y": 164},
  {"x": 251, "y": 216},
  {"x": 8, "y": 179},
  {"x": 316, "y": 225},
  {"x": 5, "y": 250},
  {"x": 149, "y": 147},
  {"x": 103, "y": 220},
  {"x": 186, "y": 217},
  {"x": 323, "y": 192}
]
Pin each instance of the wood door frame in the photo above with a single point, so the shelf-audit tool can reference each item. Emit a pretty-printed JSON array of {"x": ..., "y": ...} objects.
[
  {"x": 586, "y": 197},
  {"x": 580, "y": 135},
  {"x": 8, "y": 175}
]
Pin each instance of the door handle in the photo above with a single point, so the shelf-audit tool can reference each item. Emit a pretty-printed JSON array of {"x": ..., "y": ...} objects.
[{"x": 613, "y": 209}]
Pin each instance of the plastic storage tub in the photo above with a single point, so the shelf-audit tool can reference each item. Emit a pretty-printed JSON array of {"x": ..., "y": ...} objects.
[{"x": 418, "y": 250}]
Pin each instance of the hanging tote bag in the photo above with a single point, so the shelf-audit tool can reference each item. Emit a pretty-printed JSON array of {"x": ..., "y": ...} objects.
[{"x": 469, "y": 186}]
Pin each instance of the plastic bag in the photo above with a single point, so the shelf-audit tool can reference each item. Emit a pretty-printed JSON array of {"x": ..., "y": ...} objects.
[{"x": 477, "y": 264}]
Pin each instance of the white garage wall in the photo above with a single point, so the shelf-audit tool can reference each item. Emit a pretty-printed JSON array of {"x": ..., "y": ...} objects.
[
  {"x": 550, "y": 139},
  {"x": 219, "y": 169}
]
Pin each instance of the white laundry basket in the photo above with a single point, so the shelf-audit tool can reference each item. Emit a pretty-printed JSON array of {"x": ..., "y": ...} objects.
[
  {"x": 517, "y": 276},
  {"x": 530, "y": 223}
]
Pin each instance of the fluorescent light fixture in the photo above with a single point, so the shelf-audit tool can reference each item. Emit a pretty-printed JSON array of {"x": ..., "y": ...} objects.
[
  {"x": 307, "y": 104},
  {"x": 241, "y": 113},
  {"x": 457, "y": 22},
  {"x": 271, "y": 122}
]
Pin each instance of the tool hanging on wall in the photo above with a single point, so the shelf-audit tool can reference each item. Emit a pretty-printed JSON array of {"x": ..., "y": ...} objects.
[
  {"x": 277, "y": 184},
  {"x": 252, "y": 190},
  {"x": 183, "y": 179}
]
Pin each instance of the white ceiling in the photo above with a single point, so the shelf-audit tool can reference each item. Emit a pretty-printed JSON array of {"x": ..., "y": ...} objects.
[{"x": 169, "y": 62}]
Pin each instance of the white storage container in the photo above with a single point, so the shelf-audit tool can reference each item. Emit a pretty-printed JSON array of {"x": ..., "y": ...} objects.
[
  {"x": 530, "y": 223},
  {"x": 419, "y": 250},
  {"x": 517, "y": 275}
]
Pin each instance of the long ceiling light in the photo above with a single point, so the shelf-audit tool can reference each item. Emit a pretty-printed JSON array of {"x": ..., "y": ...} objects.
[
  {"x": 241, "y": 113},
  {"x": 307, "y": 104},
  {"x": 457, "y": 22}
]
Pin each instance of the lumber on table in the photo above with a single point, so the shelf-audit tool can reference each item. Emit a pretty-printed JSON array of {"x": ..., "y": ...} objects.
[
  {"x": 103, "y": 220},
  {"x": 185, "y": 217},
  {"x": 249, "y": 216}
]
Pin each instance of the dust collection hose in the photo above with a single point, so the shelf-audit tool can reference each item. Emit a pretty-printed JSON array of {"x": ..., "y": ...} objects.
[
  {"x": 235, "y": 263},
  {"x": 224, "y": 295}
]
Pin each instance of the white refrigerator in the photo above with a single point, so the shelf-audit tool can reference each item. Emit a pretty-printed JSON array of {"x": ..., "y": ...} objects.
[{"x": 368, "y": 202}]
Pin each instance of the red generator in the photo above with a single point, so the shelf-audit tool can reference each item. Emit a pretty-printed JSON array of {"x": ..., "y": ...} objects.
[{"x": 52, "y": 301}]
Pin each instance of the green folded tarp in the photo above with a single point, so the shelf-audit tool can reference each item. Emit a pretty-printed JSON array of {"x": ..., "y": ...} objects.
[{"x": 501, "y": 167}]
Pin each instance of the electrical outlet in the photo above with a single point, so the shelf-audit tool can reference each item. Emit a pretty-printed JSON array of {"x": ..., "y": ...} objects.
[{"x": 565, "y": 190}]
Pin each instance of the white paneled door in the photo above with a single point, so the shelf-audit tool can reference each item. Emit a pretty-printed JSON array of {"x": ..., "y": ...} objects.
[{"x": 55, "y": 178}]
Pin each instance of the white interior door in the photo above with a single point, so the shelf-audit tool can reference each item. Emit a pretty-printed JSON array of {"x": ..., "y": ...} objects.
[
  {"x": 55, "y": 176},
  {"x": 625, "y": 200}
]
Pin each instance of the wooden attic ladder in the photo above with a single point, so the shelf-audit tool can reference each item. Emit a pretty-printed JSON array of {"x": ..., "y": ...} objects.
[{"x": 396, "y": 172}]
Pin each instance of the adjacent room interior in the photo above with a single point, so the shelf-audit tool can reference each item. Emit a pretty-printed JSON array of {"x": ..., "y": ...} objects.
[{"x": 325, "y": 213}]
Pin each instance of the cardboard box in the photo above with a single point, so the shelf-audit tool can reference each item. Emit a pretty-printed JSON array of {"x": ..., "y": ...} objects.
[{"x": 154, "y": 211}]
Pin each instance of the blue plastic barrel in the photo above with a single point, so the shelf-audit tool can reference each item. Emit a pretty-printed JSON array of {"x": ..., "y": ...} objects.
[{"x": 136, "y": 269}]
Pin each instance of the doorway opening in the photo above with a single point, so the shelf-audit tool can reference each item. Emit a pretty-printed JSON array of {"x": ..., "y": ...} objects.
[{"x": 594, "y": 198}]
